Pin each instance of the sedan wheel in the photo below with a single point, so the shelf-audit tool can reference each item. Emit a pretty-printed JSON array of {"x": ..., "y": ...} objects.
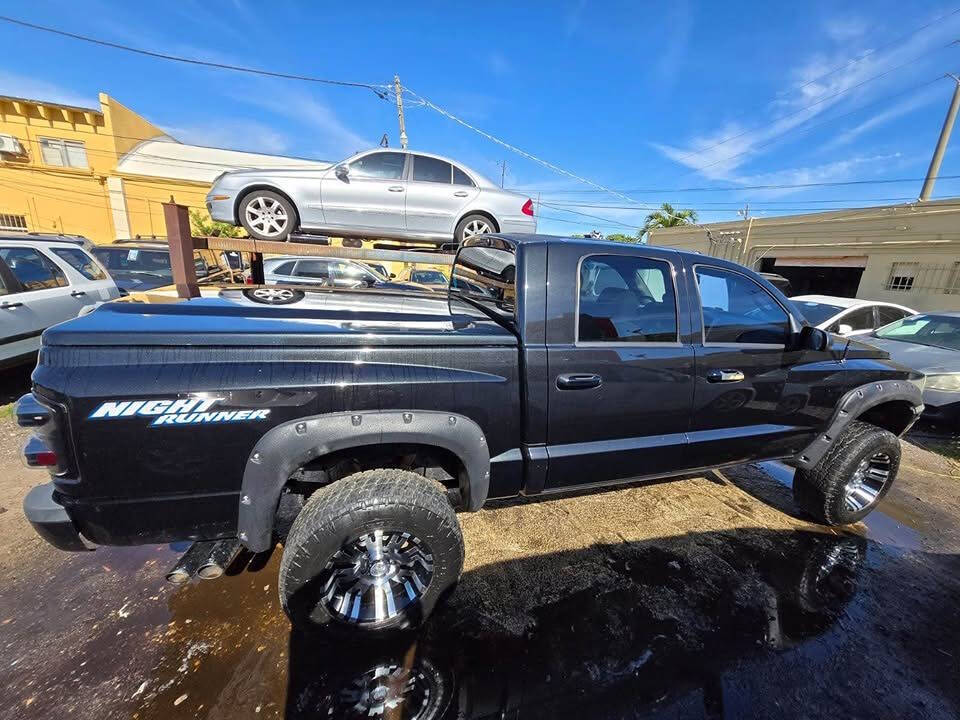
[
  {"x": 268, "y": 216},
  {"x": 473, "y": 225}
]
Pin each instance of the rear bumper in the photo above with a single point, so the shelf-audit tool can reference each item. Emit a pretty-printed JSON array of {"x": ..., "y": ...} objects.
[
  {"x": 518, "y": 224},
  {"x": 50, "y": 519}
]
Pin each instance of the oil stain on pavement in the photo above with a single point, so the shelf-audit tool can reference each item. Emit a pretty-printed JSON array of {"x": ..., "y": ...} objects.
[{"x": 698, "y": 598}]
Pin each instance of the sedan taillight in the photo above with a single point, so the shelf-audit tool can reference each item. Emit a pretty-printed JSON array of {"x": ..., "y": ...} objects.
[{"x": 527, "y": 208}]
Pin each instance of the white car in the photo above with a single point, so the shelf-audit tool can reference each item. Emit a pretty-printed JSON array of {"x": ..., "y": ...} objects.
[
  {"x": 849, "y": 316},
  {"x": 44, "y": 281},
  {"x": 397, "y": 194}
]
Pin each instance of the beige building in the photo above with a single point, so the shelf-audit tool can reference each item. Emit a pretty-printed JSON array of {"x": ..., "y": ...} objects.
[{"x": 907, "y": 254}]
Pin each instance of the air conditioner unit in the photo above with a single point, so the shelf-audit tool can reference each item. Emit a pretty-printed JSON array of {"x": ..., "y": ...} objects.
[{"x": 10, "y": 144}]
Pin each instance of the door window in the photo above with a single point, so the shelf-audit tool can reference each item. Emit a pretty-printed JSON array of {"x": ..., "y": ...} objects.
[
  {"x": 626, "y": 299},
  {"x": 351, "y": 272},
  {"x": 32, "y": 270},
  {"x": 81, "y": 262},
  {"x": 461, "y": 178},
  {"x": 384, "y": 165},
  {"x": 284, "y": 268},
  {"x": 861, "y": 319},
  {"x": 428, "y": 169},
  {"x": 313, "y": 269},
  {"x": 886, "y": 314},
  {"x": 737, "y": 310}
]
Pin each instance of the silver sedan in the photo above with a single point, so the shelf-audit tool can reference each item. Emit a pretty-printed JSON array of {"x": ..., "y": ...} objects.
[{"x": 394, "y": 194}]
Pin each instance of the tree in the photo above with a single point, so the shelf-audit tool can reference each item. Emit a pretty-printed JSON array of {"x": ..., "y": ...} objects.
[
  {"x": 668, "y": 216},
  {"x": 621, "y": 238},
  {"x": 204, "y": 226}
]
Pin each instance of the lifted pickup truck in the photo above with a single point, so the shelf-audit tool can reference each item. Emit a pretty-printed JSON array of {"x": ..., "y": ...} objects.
[{"x": 372, "y": 416}]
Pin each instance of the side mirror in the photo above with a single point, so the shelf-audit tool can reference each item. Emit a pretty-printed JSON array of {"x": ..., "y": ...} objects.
[
  {"x": 342, "y": 171},
  {"x": 845, "y": 329},
  {"x": 393, "y": 276},
  {"x": 811, "y": 338}
]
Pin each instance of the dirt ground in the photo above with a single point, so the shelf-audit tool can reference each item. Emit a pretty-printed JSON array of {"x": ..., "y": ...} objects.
[{"x": 705, "y": 596}]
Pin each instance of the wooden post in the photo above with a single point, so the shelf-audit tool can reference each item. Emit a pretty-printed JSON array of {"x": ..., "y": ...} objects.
[{"x": 180, "y": 239}]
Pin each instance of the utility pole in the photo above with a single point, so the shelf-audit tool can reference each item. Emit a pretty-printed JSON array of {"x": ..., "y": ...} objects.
[
  {"x": 398, "y": 89},
  {"x": 503, "y": 171},
  {"x": 937, "y": 158}
]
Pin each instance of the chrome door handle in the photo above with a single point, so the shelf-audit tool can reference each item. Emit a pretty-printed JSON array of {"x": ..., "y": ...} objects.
[
  {"x": 578, "y": 381},
  {"x": 724, "y": 376},
  {"x": 77, "y": 293},
  {"x": 461, "y": 193},
  {"x": 395, "y": 188},
  {"x": 10, "y": 305}
]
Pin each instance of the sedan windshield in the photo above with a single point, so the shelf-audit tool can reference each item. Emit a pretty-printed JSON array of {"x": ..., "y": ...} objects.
[
  {"x": 934, "y": 330},
  {"x": 817, "y": 312},
  {"x": 428, "y": 276}
]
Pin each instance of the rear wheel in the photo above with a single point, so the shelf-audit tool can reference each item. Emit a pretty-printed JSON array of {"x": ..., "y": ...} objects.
[
  {"x": 473, "y": 225},
  {"x": 268, "y": 215},
  {"x": 852, "y": 478},
  {"x": 371, "y": 553}
]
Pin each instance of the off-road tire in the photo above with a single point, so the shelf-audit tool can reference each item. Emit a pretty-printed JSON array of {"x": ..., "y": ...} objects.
[
  {"x": 473, "y": 220},
  {"x": 268, "y": 197},
  {"x": 389, "y": 500},
  {"x": 819, "y": 491}
]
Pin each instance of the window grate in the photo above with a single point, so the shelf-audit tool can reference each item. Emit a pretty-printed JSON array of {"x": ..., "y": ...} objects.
[
  {"x": 928, "y": 278},
  {"x": 17, "y": 223}
]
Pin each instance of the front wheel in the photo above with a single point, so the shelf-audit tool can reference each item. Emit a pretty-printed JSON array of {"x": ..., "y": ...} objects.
[
  {"x": 372, "y": 553},
  {"x": 852, "y": 478},
  {"x": 473, "y": 225},
  {"x": 268, "y": 215}
]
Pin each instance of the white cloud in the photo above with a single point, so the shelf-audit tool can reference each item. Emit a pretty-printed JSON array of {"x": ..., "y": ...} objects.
[
  {"x": 844, "y": 29},
  {"x": 884, "y": 116},
  {"x": 233, "y": 135},
  {"x": 35, "y": 89},
  {"x": 836, "y": 171}
]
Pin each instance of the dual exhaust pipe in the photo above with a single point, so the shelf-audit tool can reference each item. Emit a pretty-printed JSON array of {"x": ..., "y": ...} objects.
[{"x": 207, "y": 559}]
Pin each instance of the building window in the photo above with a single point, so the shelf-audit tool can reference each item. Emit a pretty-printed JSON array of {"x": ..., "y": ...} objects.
[
  {"x": 902, "y": 275},
  {"x": 17, "y": 223},
  {"x": 63, "y": 153}
]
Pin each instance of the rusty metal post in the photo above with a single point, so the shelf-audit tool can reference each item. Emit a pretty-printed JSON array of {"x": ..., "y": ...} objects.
[
  {"x": 180, "y": 239},
  {"x": 256, "y": 268}
]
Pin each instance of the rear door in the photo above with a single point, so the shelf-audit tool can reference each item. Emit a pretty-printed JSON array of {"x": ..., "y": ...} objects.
[
  {"x": 620, "y": 366},
  {"x": 745, "y": 406},
  {"x": 90, "y": 283},
  {"x": 36, "y": 296},
  {"x": 437, "y": 193}
]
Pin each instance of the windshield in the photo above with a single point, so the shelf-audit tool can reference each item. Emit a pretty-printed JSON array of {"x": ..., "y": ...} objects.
[
  {"x": 155, "y": 262},
  {"x": 816, "y": 312},
  {"x": 934, "y": 330},
  {"x": 428, "y": 276}
]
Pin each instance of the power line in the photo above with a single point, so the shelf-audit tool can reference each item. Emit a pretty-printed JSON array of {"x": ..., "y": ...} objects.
[{"x": 378, "y": 89}]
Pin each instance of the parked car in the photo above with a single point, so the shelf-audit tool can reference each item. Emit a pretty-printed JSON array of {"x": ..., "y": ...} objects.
[
  {"x": 139, "y": 266},
  {"x": 928, "y": 343},
  {"x": 376, "y": 194},
  {"x": 48, "y": 237},
  {"x": 367, "y": 418},
  {"x": 848, "y": 316},
  {"x": 44, "y": 282},
  {"x": 328, "y": 272},
  {"x": 433, "y": 279}
]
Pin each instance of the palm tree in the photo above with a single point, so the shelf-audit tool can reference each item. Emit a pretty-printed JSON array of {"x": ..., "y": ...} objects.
[{"x": 668, "y": 216}]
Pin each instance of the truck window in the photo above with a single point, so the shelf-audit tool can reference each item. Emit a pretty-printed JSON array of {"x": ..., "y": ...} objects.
[
  {"x": 737, "y": 310},
  {"x": 626, "y": 299},
  {"x": 485, "y": 271}
]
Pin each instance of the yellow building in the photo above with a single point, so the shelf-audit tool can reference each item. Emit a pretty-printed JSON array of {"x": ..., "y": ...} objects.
[{"x": 102, "y": 173}]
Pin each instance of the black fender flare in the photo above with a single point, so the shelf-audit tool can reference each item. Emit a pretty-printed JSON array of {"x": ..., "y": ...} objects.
[
  {"x": 853, "y": 404},
  {"x": 284, "y": 448}
]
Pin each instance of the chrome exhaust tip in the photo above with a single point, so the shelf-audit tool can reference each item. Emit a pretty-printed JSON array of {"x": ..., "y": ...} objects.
[{"x": 223, "y": 553}]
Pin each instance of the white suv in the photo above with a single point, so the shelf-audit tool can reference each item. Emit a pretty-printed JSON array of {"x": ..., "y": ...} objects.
[{"x": 44, "y": 281}]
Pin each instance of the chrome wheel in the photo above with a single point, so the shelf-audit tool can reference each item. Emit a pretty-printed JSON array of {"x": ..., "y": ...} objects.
[
  {"x": 376, "y": 576},
  {"x": 389, "y": 690},
  {"x": 477, "y": 226},
  {"x": 272, "y": 295},
  {"x": 867, "y": 482},
  {"x": 267, "y": 216}
]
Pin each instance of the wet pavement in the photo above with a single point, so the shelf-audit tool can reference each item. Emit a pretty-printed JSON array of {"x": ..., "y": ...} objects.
[{"x": 703, "y": 597}]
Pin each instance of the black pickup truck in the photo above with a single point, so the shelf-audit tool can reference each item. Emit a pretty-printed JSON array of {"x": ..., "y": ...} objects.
[{"x": 372, "y": 416}]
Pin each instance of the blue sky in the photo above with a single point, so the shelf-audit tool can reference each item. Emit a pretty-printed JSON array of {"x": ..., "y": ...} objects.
[{"x": 643, "y": 98}]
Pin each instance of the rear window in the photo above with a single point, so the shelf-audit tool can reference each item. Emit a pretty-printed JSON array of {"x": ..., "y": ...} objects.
[
  {"x": 154, "y": 262},
  {"x": 485, "y": 271},
  {"x": 81, "y": 262}
]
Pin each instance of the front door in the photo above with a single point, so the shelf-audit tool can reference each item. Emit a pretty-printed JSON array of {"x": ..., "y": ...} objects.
[
  {"x": 745, "y": 406},
  {"x": 372, "y": 194},
  {"x": 436, "y": 196},
  {"x": 34, "y": 294},
  {"x": 620, "y": 368}
]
